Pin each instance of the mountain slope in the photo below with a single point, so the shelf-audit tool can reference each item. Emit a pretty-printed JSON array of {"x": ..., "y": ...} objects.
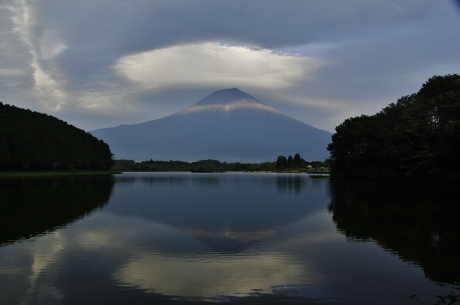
[{"x": 228, "y": 125}]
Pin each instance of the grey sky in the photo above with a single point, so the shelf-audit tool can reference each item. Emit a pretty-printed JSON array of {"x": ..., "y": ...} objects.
[{"x": 102, "y": 63}]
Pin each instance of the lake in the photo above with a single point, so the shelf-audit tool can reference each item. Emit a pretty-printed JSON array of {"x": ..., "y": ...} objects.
[{"x": 232, "y": 238}]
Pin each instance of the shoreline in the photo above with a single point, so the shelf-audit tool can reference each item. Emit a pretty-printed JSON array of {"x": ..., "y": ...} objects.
[
  {"x": 114, "y": 172},
  {"x": 58, "y": 173}
]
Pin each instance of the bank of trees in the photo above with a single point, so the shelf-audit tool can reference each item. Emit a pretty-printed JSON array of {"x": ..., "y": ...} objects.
[
  {"x": 202, "y": 166},
  {"x": 297, "y": 162},
  {"x": 418, "y": 137},
  {"x": 35, "y": 141},
  {"x": 282, "y": 164}
]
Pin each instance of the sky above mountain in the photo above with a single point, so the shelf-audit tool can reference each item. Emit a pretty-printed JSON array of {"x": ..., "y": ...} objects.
[{"x": 102, "y": 63}]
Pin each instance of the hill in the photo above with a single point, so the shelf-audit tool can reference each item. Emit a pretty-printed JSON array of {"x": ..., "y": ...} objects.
[
  {"x": 35, "y": 141},
  {"x": 228, "y": 125}
]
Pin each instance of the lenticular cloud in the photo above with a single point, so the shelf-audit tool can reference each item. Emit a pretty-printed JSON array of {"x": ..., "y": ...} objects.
[{"x": 215, "y": 64}]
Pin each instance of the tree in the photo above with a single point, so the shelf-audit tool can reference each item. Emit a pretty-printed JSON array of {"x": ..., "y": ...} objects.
[
  {"x": 36, "y": 141},
  {"x": 290, "y": 161},
  {"x": 281, "y": 162},
  {"x": 297, "y": 159},
  {"x": 418, "y": 137}
]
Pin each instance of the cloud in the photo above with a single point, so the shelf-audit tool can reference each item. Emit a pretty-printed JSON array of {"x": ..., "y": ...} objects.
[
  {"x": 165, "y": 264},
  {"x": 51, "y": 46},
  {"x": 242, "y": 104},
  {"x": 20, "y": 17},
  {"x": 211, "y": 276},
  {"x": 155, "y": 258},
  {"x": 214, "y": 64},
  {"x": 28, "y": 262},
  {"x": 102, "y": 63}
]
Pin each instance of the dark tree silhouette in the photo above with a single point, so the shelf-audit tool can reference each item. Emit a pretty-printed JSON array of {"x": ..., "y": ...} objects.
[
  {"x": 281, "y": 162},
  {"x": 416, "y": 138},
  {"x": 35, "y": 141}
]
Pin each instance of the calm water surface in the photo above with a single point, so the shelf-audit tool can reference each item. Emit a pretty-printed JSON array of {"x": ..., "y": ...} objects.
[{"x": 238, "y": 238}]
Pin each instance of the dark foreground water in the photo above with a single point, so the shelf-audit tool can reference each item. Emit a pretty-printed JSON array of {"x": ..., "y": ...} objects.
[{"x": 237, "y": 238}]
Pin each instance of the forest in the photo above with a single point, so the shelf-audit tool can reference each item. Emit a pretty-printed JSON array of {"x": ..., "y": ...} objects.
[
  {"x": 35, "y": 141},
  {"x": 418, "y": 137},
  {"x": 282, "y": 164}
]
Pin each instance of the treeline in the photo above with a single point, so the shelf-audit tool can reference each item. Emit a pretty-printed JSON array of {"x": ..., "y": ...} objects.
[
  {"x": 416, "y": 138},
  {"x": 202, "y": 166},
  {"x": 212, "y": 166},
  {"x": 297, "y": 162},
  {"x": 34, "y": 141}
]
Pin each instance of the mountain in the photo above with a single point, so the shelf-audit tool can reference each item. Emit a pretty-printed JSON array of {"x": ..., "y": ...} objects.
[{"x": 228, "y": 125}]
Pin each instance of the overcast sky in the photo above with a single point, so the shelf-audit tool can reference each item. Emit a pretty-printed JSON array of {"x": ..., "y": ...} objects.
[{"x": 102, "y": 63}]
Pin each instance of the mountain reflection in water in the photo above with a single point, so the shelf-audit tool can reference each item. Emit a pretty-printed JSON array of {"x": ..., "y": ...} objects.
[
  {"x": 237, "y": 238},
  {"x": 226, "y": 211}
]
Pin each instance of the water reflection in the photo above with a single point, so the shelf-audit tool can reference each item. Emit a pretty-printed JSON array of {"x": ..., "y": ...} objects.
[
  {"x": 204, "y": 238},
  {"x": 33, "y": 206},
  {"x": 181, "y": 238},
  {"x": 226, "y": 211},
  {"x": 417, "y": 221},
  {"x": 290, "y": 183}
]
